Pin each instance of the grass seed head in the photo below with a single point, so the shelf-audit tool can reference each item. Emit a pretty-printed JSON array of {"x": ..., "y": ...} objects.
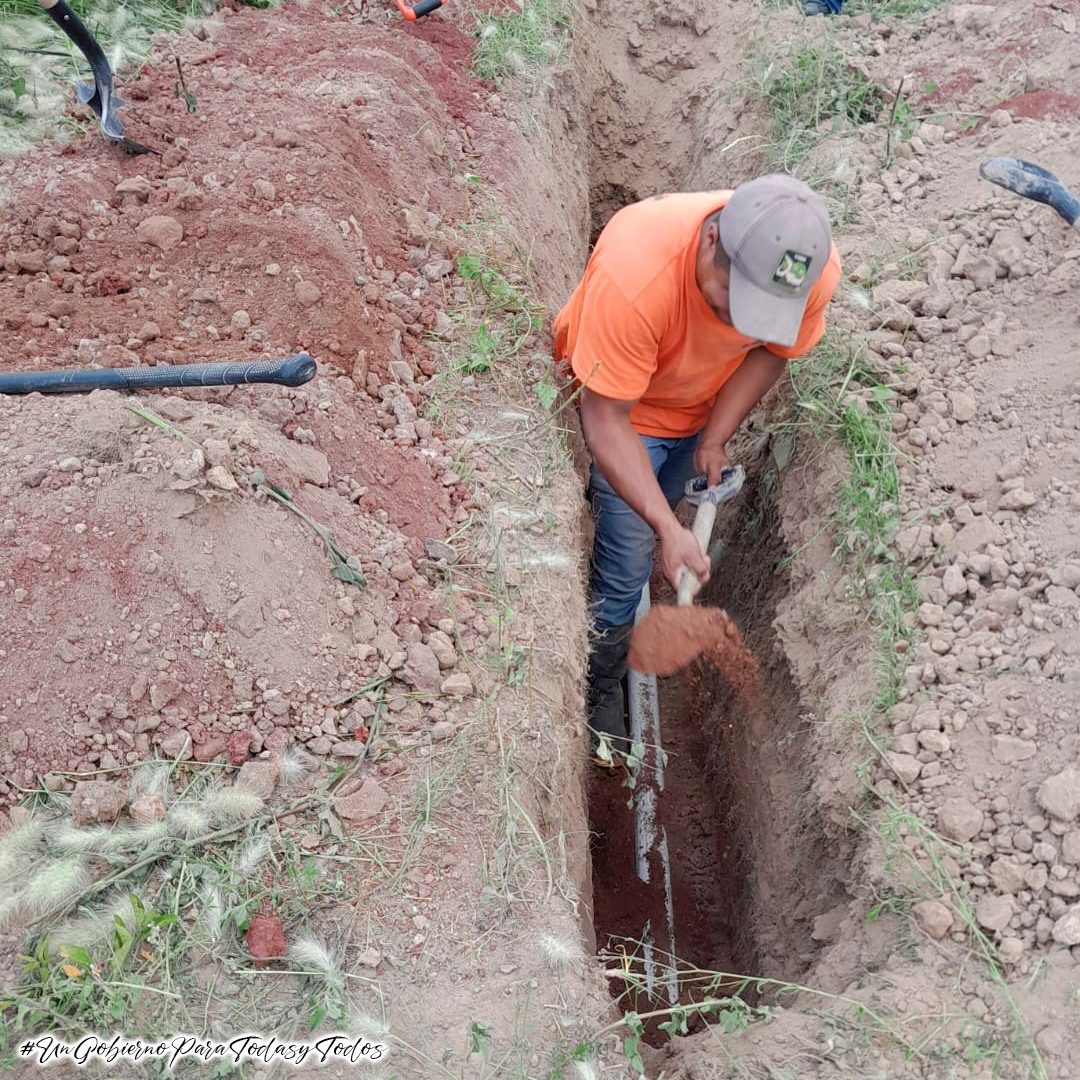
[
  {"x": 251, "y": 856},
  {"x": 231, "y": 804},
  {"x": 561, "y": 954},
  {"x": 57, "y": 882},
  {"x": 187, "y": 821},
  {"x": 313, "y": 954}
]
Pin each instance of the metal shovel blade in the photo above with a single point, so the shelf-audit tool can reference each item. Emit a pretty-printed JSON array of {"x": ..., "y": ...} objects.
[{"x": 98, "y": 95}]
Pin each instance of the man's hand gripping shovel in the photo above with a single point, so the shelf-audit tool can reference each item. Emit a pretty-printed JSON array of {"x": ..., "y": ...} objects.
[{"x": 669, "y": 638}]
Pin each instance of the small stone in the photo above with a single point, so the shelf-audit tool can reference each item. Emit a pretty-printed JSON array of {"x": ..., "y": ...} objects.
[
  {"x": 954, "y": 582},
  {"x": 1066, "y": 930},
  {"x": 933, "y": 918},
  {"x": 164, "y": 692},
  {"x": 138, "y": 186},
  {"x": 70, "y": 465},
  {"x": 265, "y": 939},
  {"x": 97, "y": 801},
  {"x": 906, "y": 767},
  {"x": 994, "y": 912},
  {"x": 348, "y": 748},
  {"x": 457, "y": 685},
  {"x": 368, "y": 802},
  {"x": 307, "y": 293},
  {"x": 963, "y": 406},
  {"x": 1070, "y": 848},
  {"x": 264, "y": 190},
  {"x": 1008, "y": 749},
  {"x": 259, "y": 777},
  {"x": 1006, "y": 875},
  {"x": 222, "y": 479},
  {"x": 1003, "y": 601},
  {"x": 160, "y": 231},
  {"x": 369, "y": 958},
  {"x": 959, "y": 820},
  {"x": 443, "y": 648},
  {"x": 421, "y": 669},
  {"x": 931, "y": 614},
  {"x": 1016, "y": 499},
  {"x": 1059, "y": 795},
  {"x": 937, "y": 742},
  {"x": 146, "y": 809}
]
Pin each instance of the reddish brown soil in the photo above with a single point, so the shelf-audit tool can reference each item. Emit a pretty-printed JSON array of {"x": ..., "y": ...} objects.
[
  {"x": 672, "y": 637},
  {"x": 947, "y": 90},
  {"x": 314, "y": 185},
  {"x": 1042, "y": 105}
]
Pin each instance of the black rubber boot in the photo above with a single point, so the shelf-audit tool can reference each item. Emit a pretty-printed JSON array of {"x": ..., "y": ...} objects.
[{"x": 607, "y": 668}]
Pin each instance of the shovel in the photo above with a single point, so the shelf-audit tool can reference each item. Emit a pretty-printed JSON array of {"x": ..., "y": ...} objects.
[
  {"x": 1032, "y": 182},
  {"x": 99, "y": 94},
  {"x": 669, "y": 638}
]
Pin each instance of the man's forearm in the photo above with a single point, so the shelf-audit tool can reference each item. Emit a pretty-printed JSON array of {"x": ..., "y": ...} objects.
[
  {"x": 752, "y": 380},
  {"x": 623, "y": 460}
]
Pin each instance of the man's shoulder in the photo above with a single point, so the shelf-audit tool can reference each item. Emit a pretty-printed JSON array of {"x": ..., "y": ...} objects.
[
  {"x": 830, "y": 277},
  {"x": 638, "y": 246}
]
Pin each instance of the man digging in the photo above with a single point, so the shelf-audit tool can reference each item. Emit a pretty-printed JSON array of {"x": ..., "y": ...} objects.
[{"x": 690, "y": 306}]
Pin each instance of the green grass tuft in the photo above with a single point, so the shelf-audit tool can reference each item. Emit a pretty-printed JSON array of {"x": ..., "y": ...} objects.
[
  {"x": 812, "y": 93},
  {"x": 526, "y": 42},
  {"x": 891, "y": 9}
]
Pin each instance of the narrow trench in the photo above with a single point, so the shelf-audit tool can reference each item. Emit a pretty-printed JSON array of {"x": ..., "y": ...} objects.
[{"x": 751, "y": 863}]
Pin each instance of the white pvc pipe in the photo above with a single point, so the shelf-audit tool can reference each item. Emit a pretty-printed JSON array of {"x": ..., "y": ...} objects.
[{"x": 645, "y": 729}]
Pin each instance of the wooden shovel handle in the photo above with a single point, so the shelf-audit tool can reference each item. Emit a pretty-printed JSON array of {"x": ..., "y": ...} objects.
[{"x": 704, "y": 520}]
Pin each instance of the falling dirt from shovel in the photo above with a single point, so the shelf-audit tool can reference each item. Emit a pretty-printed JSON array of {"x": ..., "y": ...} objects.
[{"x": 669, "y": 638}]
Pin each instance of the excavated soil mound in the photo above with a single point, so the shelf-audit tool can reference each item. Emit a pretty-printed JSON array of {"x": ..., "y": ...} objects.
[{"x": 152, "y": 597}]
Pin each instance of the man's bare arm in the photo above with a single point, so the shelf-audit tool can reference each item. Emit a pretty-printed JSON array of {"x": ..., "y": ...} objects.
[
  {"x": 618, "y": 451},
  {"x": 750, "y": 383}
]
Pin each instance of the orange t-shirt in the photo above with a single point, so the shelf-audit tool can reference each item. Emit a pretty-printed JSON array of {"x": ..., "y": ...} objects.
[{"x": 637, "y": 327}]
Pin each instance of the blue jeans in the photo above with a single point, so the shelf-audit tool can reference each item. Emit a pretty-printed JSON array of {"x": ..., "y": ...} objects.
[{"x": 624, "y": 541}]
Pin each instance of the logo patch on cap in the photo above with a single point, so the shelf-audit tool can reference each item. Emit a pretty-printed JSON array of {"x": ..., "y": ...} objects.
[{"x": 792, "y": 269}]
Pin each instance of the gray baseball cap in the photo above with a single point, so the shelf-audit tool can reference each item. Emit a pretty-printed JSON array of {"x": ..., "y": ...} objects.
[{"x": 776, "y": 233}]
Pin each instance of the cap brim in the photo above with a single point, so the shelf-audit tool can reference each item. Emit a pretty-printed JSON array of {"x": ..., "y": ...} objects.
[{"x": 763, "y": 315}]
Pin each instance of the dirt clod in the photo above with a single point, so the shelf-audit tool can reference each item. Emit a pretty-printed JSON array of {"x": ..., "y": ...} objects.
[
  {"x": 669, "y": 638},
  {"x": 265, "y": 939}
]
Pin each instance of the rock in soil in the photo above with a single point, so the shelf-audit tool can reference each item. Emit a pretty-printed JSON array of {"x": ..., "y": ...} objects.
[
  {"x": 96, "y": 801},
  {"x": 933, "y": 918},
  {"x": 265, "y": 939},
  {"x": 368, "y": 802}
]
